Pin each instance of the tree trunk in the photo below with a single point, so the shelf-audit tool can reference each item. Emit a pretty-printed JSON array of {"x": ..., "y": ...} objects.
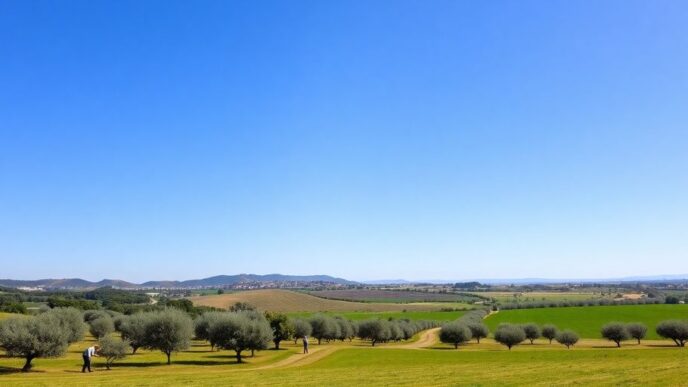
[
  {"x": 477, "y": 339},
  {"x": 373, "y": 343},
  {"x": 238, "y": 356},
  {"x": 168, "y": 357},
  {"x": 252, "y": 352},
  {"x": 27, "y": 365},
  {"x": 550, "y": 341},
  {"x": 133, "y": 352},
  {"x": 276, "y": 343},
  {"x": 618, "y": 344},
  {"x": 456, "y": 345},
  {"x": 319, "y": 341},
  {"x": 638, "y": 341}
]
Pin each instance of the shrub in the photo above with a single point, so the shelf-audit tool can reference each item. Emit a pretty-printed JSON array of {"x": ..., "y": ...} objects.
[{"x": 238, "y": 332}]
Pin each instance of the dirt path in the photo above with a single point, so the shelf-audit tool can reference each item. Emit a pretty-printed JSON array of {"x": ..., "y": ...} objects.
[{"x": 427, "y": 339}]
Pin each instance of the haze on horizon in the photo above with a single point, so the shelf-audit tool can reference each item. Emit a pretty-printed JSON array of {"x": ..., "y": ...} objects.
[{"x": 371, "y": 140}]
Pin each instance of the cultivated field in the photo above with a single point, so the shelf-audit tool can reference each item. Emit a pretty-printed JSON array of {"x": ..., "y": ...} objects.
[
  {"x": 587, "y": 321},
  {"x": 506, "y": 297},
  {"x": 430, "y": 315},
  {"x": 289, "y": 301},
  {"x": 400, "y": 296}
]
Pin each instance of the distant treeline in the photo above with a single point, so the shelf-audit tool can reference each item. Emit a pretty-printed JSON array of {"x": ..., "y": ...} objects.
[{"x": 569, "y": 303}]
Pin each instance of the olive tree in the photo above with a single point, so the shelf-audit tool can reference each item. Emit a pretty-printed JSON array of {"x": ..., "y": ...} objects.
[
  {"x": 71, "y": 320},
  {"x": 532, "y": 331},
  {"x": 478, "y": 330},
  {"x": 133, "y": 329},
  {"x": 323, "y": 327},
  {"x": 169, "y": 331},
  {"x": 637, "y": 331},
  {"x": 509, "y": 335},
  {"x": 202, "y": 324},
  {"x": 346, "y": 328},
  {"x": 567, "y": 338},
  {"x": 237, "y": 332},
  {"x": 549, "y": 332},
  {"x": 302, "y": 328},
  {"x": 455, "y": 333},
  {"x": 615, "y": 332},
  {"x": 101, "y": 327},
  {"x": 374, "y": 330},
  {"x": 675, "y": 330},
  {"x": 33, "y": 337},
  {"x": 113, "y": 349},
  {"x": 282, "y": 327}
]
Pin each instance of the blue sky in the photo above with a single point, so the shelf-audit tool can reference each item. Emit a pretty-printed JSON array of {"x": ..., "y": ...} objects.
[{"x": 401, "y": 139}]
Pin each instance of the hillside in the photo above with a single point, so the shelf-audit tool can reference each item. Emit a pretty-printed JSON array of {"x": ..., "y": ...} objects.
[
  {"x": 216, "y": 281},
  {"x": 289, "y": 301}
]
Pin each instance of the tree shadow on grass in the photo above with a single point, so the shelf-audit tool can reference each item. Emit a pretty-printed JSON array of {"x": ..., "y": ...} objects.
[{"x": 9, "y": 370}]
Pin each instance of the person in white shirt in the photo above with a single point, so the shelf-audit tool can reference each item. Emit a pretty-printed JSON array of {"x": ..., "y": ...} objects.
[{"x": 88, "y": 354}]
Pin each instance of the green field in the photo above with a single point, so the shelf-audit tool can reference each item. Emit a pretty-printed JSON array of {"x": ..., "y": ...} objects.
[
  {"x": 587, "y": 321},
  {"x": 438, "y": 316},
  {"x": 373, "y": 366}
]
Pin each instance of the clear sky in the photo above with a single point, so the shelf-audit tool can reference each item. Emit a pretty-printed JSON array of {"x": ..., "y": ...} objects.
[{"x": 365, "y": 139}]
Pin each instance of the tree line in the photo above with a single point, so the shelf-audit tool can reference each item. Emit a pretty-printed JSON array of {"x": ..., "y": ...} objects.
[
  {"x": 170, "y": 330},
  {"x": 471, "y": 326}
]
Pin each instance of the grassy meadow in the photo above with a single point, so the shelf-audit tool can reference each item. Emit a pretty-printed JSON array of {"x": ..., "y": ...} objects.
[
  {"x": 346, "y": 363},
  {"x": 587, "y": 321}
]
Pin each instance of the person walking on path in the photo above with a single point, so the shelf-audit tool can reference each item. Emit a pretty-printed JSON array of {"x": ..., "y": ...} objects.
[
  {"x": 88, "y": 354},
  {"x": 305, "y": 344}
]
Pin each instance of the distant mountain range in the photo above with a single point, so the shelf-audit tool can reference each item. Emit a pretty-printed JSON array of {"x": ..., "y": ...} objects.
[
  {"x": 216, "y": 281},
  {"x": 670, "y": 278}
]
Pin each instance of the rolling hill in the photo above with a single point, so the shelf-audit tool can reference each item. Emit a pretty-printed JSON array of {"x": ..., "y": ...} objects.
[
  {"x": 216, "y": 281},
  {"x": 279, "y": 300}
]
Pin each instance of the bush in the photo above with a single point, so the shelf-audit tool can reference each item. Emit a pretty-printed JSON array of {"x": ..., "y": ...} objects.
[
  {"x": 615, "y": 332},
  {"x": 567, "y": 337},
  {"x": 549, "y": 332},
  {"x": 113, "y": 349},
  {"x": 675, "y": 330},
  {"x": 455, "y": 333},
  {"x": 636, "y": 331},
  {"x": 509, "y": 335}
]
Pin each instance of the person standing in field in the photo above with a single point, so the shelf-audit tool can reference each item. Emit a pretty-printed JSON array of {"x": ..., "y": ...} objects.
[
  {"x": 88, "y": 354},
  {"x": 305, "y": 344}
]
